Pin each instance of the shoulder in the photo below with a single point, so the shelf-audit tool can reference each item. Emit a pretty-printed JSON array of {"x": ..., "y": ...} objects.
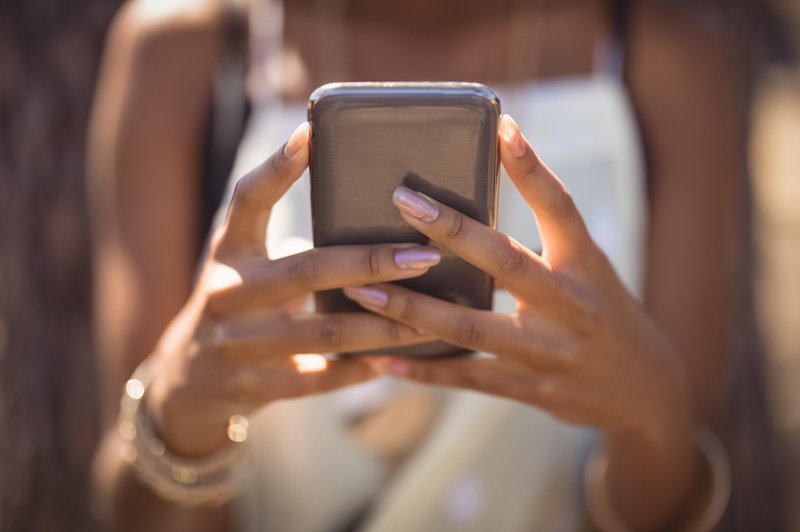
[
  {"x": 165, "y": 31},
  {"x": 161, "y": 54},
  {"x": 679, "y": 52},
  {"x": 153, "y": 21},
  {"x": 688, "y": 81}
]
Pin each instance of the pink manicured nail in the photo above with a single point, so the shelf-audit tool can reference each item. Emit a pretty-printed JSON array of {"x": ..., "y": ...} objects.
[
  {"x": 367, "y": 295},
  {"x": 415, "y": 204},
  {"x": 416, "y": 258},
  {"x": 512, "y": 136},
  {"x": 296, "y": 140}
]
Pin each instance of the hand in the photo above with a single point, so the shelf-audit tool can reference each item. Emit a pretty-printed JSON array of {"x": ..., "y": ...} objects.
[
  {"x": 578, "y": 346},
  {"x": 241, "y": 340}
]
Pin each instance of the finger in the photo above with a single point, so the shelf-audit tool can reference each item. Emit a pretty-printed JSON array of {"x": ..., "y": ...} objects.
[
  {"x": 348, "y": 332},
  {"x": 280, "y": 336},
  {"x": 505, "y": 259},
  {"x": 561, "y": 226},
  {"x": 256, "y": 193},
  {"x": 298, "y": 376},
  {"x": 337, "y": 266},
  {"x": 337, "y": 374},
  {"x": 261, "y": 283},
  {"x": 479, "y": 330},
  {"x": 498, "y": 377}
]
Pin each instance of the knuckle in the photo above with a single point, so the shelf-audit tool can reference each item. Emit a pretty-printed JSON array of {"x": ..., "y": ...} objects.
[
  {"x": 274, "y": 164},
  {"x": 585, "y": 312},
  {"x": 549, "y": 392},
  {"x": 408, "y": 309},
  {"x": 560, "y": 202},
  {"x": 560, "y": 354},
  {"x": 470, "y": 333},
  {"x": 531, "y": 167},
  {"x": 370, "y": 261},
  {"x": 456, "y": 226},
  {"x": 512, "y": 258},
  {"x": 568, "y": 360},
  {"x": 394, "y": 331},
  {"x": 243, "y": 191},
  {"x": 303, "y": 270},
  {"x": 331, "y": 332},
  {"x": 589, "y": 319}
]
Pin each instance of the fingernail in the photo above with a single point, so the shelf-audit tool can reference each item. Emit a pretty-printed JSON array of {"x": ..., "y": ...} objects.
[
  {"x": 415, "y": 204},
  {"x": 395, "y": 366},
  {"x": 512, "y": 136},
  {"x": 368, "y": 296},
  {"x": 297, "y": 139},
  {"x": 416, "y": 258}
]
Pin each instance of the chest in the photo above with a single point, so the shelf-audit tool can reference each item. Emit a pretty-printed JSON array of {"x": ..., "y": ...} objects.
[{"x": 490, "y": 42}]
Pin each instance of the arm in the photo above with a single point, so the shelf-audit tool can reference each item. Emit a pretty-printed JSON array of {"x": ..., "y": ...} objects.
[
  {"x": 144, "y": 151},
  {"x": 229, "y": 344},
  {"x": 578, "y": 346},
  {"x": 689, "y": 89}
]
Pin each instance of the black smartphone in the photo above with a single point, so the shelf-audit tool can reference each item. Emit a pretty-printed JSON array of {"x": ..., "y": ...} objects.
[{"x": 437, "y": 138}]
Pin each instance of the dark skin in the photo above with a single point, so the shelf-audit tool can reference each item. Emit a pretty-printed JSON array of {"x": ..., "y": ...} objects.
[{"x": 145, "y": 155}]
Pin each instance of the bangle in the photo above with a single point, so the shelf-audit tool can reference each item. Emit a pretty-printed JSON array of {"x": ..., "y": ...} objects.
[
  {"x": 717, "y": 462},
  {"x": 207, "y": 481}
]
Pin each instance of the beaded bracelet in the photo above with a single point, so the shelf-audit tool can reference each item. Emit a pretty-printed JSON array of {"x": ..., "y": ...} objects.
[
  {"x": 207, "y": 481},
  {"x": 718, "y": 463}
]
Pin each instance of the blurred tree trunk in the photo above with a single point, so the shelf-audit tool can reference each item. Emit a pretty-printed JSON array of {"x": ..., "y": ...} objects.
[{"x": 49, "y": 54}]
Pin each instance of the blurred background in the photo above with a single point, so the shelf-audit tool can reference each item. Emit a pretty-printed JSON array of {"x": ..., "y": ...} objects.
[
  {"x": 49, "y": 55},
  {"x": 775, "y": 166}
]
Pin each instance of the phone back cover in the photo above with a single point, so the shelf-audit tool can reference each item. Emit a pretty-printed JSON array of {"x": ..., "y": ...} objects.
[{"x": 436, "y": 138}]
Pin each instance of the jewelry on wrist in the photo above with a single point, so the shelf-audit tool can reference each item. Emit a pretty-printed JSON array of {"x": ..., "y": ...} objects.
[
  {"x": 208, "y": 481},
  {"x": 717, "y": 462}
]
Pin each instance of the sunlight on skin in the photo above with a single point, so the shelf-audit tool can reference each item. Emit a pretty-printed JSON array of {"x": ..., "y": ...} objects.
[
  {"x": 157, "y": 9},
  {"x": 222, "y": 276},
  {"x": 308, "y": 363}
]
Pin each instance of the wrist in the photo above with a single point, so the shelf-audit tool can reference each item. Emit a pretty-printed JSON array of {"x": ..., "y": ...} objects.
[
  {"x": 664, "y": 437},
  {"x": 185, "y": 423},
  {"x": 653, "y": 474},
  {"x": 208, "y": 480},
  {"x": 702, "y": 510}
]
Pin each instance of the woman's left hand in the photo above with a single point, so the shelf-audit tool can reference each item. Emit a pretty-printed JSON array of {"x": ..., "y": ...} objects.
[{"x": 578, "y": 346}]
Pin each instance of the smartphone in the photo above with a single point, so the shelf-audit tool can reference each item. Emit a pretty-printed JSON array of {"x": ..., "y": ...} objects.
[{"x": 437, "y": 138}]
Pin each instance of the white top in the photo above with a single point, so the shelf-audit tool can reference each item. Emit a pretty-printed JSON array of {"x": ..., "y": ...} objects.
[{"x": 489, "y": 463}]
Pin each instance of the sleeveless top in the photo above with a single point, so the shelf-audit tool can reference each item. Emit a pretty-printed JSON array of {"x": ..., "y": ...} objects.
[{"x": 489, "y": 463}]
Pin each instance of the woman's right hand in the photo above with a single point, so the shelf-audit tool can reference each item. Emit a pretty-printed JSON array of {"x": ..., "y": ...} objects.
[{"x": 241, "y": 341}]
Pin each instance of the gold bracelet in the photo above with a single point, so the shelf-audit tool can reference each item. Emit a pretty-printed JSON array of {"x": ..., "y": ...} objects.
[
  {"x": 207, "y": 481},
  {"x": 606, "y": 519}
]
